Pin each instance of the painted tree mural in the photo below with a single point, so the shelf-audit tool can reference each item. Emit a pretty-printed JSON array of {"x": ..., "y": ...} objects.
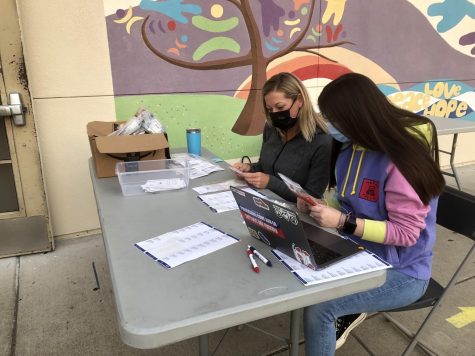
[
  {"x": 202, "y": 63},
  {"x": 223, "y": 34}
]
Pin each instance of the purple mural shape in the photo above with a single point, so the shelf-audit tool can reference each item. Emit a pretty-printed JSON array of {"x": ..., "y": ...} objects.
[
  {"x": 223, "y": 35},
  {"x": 411, "y": 51},
  {"x": 468, "y": 40},
  {"x": 271, "y": 17},
  {"x": 198, "y": 46}
]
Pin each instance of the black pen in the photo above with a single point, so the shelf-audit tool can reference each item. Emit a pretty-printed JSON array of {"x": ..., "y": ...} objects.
[{"x": 259, "y": 255}]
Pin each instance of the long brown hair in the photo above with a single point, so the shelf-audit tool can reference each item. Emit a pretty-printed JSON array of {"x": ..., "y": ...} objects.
[
  {"x": 292, "y": 87},
  {"x": 358, "y": 109}
]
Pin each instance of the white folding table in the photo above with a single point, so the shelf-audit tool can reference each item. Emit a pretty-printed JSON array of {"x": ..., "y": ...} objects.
[
  {"x": 452, "y": 127},
  {"x": 156, "y": 306}
]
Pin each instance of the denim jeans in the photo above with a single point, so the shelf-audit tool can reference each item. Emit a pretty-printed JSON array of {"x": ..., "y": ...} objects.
[{"x": 319, "y": 319}]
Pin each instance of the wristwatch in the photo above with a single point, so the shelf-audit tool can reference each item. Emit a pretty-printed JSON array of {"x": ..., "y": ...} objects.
[{"x": 349, "y": 226}]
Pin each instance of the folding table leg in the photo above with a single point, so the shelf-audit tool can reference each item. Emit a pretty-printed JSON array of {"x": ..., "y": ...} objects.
[
  {"x": 294, "y": 332},
  {"x": 204, "y": 345},
  {"x": 452, "y": 164},
  {"x": 451, "y": 154}
]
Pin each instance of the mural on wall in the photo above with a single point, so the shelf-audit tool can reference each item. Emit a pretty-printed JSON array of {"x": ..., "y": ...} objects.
[{"x": 203, "y": 63}]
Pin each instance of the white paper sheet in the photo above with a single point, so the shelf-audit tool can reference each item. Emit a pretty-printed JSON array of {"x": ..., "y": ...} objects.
[
  {"x": 159, "y": 185},
  {"x": 176, "y": 247},
  {"x": 235, "y": 170},
  {"x": 224, "y": 201},
  {"x": 217, "y": 187},
  {"x": 199, "y": 167},
  {"x": 360, "y": 263}
]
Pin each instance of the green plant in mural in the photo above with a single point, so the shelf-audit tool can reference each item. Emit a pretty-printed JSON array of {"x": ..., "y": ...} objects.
[
  {"x": 224, "y": 34},
  {"x": 212, "y": 113}
]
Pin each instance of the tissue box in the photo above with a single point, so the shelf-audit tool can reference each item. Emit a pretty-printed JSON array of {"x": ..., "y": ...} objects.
[{"x": 145, "y": 177}]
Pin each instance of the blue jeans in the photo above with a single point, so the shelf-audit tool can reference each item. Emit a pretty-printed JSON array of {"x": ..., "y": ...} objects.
[{"x": 319, "y": 319}]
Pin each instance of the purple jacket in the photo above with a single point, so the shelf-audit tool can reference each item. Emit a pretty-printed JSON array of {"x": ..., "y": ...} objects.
[{"x": 399, "y": 228}]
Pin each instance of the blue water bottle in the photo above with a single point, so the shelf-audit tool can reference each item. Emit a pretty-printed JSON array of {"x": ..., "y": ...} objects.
[{"x": 193, "y": 141}]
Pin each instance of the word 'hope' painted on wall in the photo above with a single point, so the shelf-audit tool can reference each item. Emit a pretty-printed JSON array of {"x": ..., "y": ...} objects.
[{"x": 440, "y": 99}]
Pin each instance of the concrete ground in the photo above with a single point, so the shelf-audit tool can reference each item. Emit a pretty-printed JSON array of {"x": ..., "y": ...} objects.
[{"x": 50, "y": 304}]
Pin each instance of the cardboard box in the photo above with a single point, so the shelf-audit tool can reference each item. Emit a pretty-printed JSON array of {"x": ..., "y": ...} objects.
[{"x": 108, "y": 150}]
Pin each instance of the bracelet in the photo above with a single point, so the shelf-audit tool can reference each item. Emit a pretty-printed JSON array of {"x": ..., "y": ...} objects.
[
  {"x": 341, "y": 221},
  {"x": 349, "y": 226}
]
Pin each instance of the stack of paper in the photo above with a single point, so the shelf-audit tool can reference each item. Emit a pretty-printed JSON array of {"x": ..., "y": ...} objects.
[
  {"x": 158, "y": 185},
  {"x": 224, "y": 201},
  {"x": 185, "y": 244},
  {"x": 217, "y": 187},
  {"x": 359, "y": 263},
  {"x": 219, "y": 202},
  {"x": 199, "y": 167}
]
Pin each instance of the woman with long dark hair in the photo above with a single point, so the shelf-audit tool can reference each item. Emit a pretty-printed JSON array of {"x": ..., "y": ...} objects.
[{"x": 387, "y": 180}]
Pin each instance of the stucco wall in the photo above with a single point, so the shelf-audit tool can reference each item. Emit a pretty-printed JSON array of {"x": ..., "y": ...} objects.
[
  {"x": 68, "y": 67},
  {"x": 69, "y": 71}
]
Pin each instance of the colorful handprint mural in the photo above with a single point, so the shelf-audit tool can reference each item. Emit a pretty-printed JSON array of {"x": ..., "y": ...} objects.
[{"x": 203, "y": 63}]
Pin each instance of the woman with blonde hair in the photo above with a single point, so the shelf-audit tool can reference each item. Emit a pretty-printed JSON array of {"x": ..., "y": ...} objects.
[{"x": 294, "y": 141}]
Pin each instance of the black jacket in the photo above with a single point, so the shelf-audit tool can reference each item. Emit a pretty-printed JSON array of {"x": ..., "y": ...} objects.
[{"x": 307, "y": 163}]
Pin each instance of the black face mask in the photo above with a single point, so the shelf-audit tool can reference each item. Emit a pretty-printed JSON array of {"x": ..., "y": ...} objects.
[{"x": 282, "y": 119}]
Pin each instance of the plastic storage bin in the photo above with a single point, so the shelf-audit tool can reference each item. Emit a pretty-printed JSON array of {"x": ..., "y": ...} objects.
[{"x": 146, "y": 177}]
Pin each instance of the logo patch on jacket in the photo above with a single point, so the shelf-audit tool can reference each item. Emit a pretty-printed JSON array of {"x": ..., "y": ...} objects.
[{"x": 369, "y": 190}]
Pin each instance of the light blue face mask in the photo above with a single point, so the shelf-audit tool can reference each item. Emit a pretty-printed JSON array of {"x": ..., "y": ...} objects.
[{"x": 337, "y": 135}]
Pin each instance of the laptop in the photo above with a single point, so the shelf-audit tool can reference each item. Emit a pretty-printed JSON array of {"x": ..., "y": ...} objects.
[{"x": 281, "y": 228}]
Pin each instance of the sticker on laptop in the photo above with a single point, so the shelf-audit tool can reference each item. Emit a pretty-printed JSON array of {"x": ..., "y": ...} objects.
[
  {"x": 263, "y": 222},
  {"x": 263, "y": 238},
  {"x": 260, "y": 203},
  {"x": 286, "y": 214},
  {"x": 302, "y": 256},
  {"x": 253, "y": 233}
]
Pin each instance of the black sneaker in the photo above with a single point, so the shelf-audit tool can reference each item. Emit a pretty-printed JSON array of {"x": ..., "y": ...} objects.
[{"x": 345, "y": 324}]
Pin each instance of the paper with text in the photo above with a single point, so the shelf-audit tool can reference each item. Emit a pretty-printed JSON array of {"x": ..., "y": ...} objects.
[
  {"x": 199, "y": 166},
  {"x": 359, "y": 263},
  {"x": 237, "y": 171},
  {"x": 188, "y": 243},
  {"x": 297, "y": 189},
  {"x": 224, "y": 201},
  {"x": 159, "y": 185},
  {"x": 217, "y": 187}
]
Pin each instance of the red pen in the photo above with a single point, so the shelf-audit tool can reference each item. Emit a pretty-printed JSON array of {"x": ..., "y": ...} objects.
[
  {"x": 259, "y": 255},
  {"x": 255, "y": 267}
]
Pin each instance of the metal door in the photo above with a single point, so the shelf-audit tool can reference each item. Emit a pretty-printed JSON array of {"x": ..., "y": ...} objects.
[{"x": 24, "y": 221}]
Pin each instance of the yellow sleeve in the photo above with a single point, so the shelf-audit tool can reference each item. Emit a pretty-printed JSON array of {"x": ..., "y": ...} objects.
[
  {"x": 374, "y": 231},
  {"x": 426, "y": 131}
]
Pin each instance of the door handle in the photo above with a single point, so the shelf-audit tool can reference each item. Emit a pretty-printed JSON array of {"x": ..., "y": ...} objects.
[{"x": 15, "y": 109}]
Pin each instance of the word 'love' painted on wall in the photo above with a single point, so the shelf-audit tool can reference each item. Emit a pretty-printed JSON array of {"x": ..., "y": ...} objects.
[{"x": 447, "y": 99}]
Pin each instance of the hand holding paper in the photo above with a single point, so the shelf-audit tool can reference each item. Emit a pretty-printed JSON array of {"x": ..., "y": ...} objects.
[
  {"x": 236, "y": 170},
  {"x": 325, "y": 216},
  {"x": 298, "y": 190},
  {"x": 256, "y": 179}
]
